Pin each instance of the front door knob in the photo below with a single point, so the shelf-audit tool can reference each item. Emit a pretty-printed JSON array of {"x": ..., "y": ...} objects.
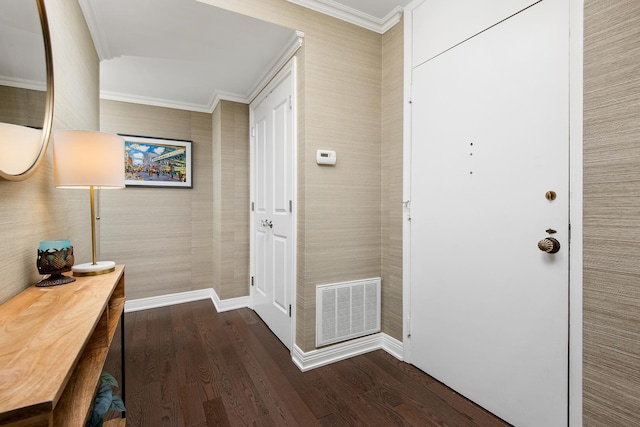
[{"x": 549, "y": 245}]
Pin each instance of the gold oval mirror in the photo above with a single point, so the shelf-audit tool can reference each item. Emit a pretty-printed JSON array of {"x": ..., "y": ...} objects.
[{"x": 26, "y": 87}]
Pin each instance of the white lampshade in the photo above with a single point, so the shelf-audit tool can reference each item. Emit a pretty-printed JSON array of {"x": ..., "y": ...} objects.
[{"x": 87, "y": 158}]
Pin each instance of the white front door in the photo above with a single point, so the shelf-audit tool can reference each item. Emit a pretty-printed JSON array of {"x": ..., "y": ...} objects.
[
  {"x": 490, "y": 139},
  {"x": 273, "y": 188}
]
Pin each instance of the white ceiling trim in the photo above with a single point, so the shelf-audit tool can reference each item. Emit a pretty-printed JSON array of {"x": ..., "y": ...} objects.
[
  {"x": 23, "y": 83},
  {"x": 353, "y": 16},
  {"x": 392, "y": 19},
  {"x": 287, "y": 53},
  {"x": 92, "y": 17},
  {"x": 225, "y": 96},
  {"x": 155, "y": 102}
]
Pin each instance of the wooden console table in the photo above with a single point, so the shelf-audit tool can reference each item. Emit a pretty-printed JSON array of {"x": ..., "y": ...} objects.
[{"x": 53, "y": 345}]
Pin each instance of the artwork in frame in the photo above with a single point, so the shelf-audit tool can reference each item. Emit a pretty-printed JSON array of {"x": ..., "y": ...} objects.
[{"x": 157, "y": 162}]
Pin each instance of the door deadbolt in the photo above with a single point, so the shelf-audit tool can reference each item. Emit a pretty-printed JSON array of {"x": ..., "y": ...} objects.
[{"x": 549, "y": 245}]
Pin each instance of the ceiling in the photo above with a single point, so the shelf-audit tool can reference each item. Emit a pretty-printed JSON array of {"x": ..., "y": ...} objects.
[
  {"x": 22, "y": 55},
  {"x": 187, "y": 54}
]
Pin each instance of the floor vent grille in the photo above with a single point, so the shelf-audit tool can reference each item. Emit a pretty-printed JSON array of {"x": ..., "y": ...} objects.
[{"x": 347, "y": 310}]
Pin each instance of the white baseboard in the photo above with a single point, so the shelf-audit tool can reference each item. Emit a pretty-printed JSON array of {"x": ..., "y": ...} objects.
[
  {"x": 182, "y": 297},
  {"x": 326, "y": 355},
  {"x": 230, "y": 303},
  {"x": 304, "y": 360},
  {"x": 165, "y": 300},
  {"x": 393, "y": 346}
]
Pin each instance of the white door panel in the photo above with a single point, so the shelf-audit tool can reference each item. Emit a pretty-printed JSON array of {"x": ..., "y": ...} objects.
[
  {"x": 441, "y": 24},
  {"x": 281, "y": 255},
  {"x": 260, "y": 275},
  {"x": 281, "y": 156},
  {"x": 260, "y": 163},
  {"x": 489, "y": 310}
]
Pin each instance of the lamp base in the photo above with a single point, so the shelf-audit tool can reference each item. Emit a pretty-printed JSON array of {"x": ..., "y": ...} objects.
[{"x": 89, "y": 269}]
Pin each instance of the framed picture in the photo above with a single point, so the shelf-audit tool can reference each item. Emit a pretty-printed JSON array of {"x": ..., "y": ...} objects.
[{"x": 157, "y": 162}]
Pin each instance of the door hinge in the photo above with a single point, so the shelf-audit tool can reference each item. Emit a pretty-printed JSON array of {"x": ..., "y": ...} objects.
[
  {"x": 289, "y": 310},
  {"x": 252, "y": 206},
  {"x": 253, "y": 131},
  {"x": 251, "y": 280},
  {"x": 290, "y": 205},
  {"x": 290, "y": 103},
  {"x": 407, "y": 206},
  {"x": 408, "y": 327}
]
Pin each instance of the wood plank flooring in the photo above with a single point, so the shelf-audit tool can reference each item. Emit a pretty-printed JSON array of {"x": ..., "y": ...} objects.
[{"x": 187, "y": 365}]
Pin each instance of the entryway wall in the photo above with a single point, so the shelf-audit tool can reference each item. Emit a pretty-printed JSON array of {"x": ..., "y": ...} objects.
[
  {"x": 611, "y": 383},
  {"x": 230, "y": 169},
  {"x": 163, "y": 235}
]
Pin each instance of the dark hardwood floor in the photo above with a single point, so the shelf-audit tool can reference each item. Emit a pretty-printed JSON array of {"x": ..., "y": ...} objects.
[{"x": 187, "y": 365}]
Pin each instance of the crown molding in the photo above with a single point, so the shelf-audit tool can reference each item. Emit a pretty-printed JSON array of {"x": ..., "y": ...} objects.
[
  {"x": 225, "y": 96},
  {"x": 353, "y": 16},
  {"x": 295, "y": 42},
  {"x": 155, "y": 102},
  {"x": 392, "y": 19},
  {"x": 285, "y": 55},
  {"x": 92, "y": 17},
  {"x": 23, "y": 83}
]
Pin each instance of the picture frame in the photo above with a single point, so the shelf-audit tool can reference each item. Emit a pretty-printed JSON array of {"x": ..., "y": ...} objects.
[{"x": 157, "y": 162}]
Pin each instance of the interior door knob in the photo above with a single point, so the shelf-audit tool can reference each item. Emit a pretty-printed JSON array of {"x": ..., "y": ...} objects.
[
  {"x": 549, "y": 245},
  {"x": 266, "y": 223}
]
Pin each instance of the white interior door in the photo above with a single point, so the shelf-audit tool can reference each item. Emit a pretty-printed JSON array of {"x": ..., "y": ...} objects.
[
  {"x": 489, "y": 309},
  {"x": 273, "y": 186}
]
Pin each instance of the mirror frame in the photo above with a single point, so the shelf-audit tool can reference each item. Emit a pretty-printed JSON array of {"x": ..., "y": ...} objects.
[{"x": 48, "y": 114}]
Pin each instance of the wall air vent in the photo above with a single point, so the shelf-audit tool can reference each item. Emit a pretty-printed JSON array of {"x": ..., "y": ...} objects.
[{"x": 347, "y": 310}]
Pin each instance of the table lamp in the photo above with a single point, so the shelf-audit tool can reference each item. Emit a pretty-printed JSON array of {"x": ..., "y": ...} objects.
[{"x": 93, "y": 160}]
